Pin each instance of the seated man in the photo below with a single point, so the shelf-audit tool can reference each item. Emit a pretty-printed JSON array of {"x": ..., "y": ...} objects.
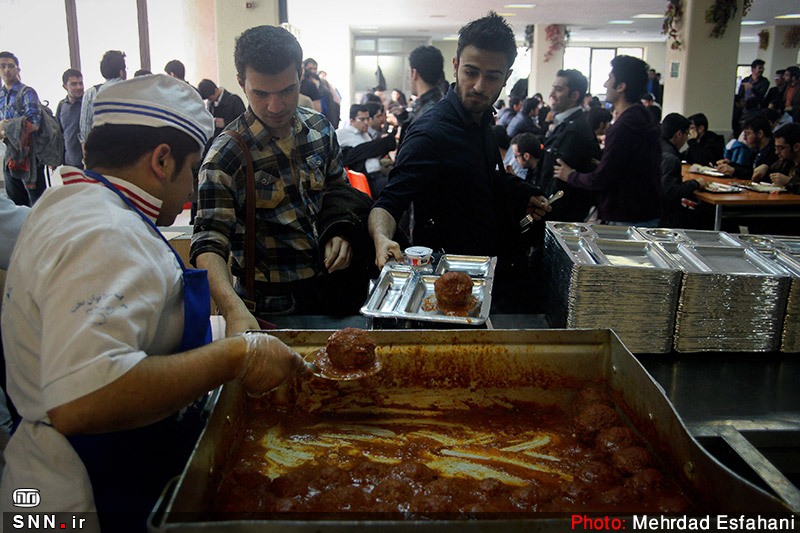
[
  {"x": 360, "y": 152},
  {"x": 758, "y": 136},
  {"x": 527, "y": 151},
  {"x": 785, "y": 172},
  {"x": 678, "y": 208},
  {"x": 526, "y": 120},
  {"x": 705, "y": 147}
]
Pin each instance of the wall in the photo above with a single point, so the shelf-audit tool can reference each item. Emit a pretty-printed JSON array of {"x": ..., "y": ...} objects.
[
  {"x": 448, "y": 49},
  {"x": 232, "y": 18}
]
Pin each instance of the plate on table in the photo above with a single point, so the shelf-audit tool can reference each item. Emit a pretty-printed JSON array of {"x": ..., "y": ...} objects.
[
  {"x": 721, "y": 188},
  {"x": 707, "y": 171},
  {"x": 764, "y": 187}
]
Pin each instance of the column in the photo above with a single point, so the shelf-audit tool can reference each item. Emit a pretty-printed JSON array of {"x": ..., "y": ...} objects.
[
  {"x": 232, "y": 18},
  {"x": 777, "y": 56},
  {"x": 700, "y": 77},
  {"x": 543, "y": 73}
]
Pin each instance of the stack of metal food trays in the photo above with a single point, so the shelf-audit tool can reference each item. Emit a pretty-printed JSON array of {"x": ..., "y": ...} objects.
[
  {"x": 730, "y": 293},
  {"x": 611, "y": 277},
  {"x": 403, "y": 292}
]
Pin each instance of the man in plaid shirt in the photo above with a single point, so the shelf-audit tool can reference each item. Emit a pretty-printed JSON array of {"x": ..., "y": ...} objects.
[
  {"x": 24, "y": 179},
  {"x": 302, "y": 246}
]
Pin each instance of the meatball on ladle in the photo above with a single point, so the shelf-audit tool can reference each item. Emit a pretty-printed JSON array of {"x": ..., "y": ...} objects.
[{"x": 348, "y": 355}]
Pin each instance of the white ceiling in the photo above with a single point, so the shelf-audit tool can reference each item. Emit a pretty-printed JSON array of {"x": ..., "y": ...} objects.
[{"x": 587, "y": 20}]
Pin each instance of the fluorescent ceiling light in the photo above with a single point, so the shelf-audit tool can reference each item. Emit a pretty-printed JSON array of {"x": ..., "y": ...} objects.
[
  {"x": 620, "y": 22},
  {"x": 507, "y": 14},
  {"x": 519, "y": 6},
  {"x": 450, "y": 38},
  {"x": 753, "y": 22},
  {"x": 789, "y": 16},
  {"x": 649, "y": 16}
]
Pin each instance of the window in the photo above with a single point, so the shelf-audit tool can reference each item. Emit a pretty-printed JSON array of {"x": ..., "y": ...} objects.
[
  {"x": 595, "y": 63},
  {"x": 104, "y": 26},
  {"x": 44, "y": 53}
]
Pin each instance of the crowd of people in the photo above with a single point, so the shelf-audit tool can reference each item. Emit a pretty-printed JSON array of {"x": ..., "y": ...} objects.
[{"x": 107, "y": 331}]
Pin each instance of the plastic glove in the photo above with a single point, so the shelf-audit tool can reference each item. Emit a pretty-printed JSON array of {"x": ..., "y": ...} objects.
[{"x": 268, "y": 362}]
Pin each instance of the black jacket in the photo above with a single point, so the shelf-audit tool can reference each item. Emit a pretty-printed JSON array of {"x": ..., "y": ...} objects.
[
  {"x": 673, "y": 190},
  {"x": 706, "y": 150},
  {"x": 573, "y": 142}
]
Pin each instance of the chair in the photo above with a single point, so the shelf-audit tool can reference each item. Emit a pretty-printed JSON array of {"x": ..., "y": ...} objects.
[{"x": 359, "y": 181}]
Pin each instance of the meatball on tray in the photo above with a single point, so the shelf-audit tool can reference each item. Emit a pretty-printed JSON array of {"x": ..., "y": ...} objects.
[
  {"x": 461, "y": 427},
  {"x": 404, "y": 292}
]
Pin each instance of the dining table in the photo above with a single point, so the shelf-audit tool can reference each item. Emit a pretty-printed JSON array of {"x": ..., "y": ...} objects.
[{"x": 742, "y": 201}]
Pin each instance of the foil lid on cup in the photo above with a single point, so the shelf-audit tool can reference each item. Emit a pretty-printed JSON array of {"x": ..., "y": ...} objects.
[{"x": 418, "y": 256}]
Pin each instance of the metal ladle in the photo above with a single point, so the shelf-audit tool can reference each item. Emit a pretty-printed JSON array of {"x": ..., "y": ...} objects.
[{"x": 525, "y": 223}]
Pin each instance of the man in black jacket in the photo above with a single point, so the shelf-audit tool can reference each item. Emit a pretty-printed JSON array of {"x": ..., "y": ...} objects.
[
  {"x": 571, "y": 139},
  {"x": 705, "y": 147},
  {"x": 678, "y": 204},
  {"x": 758, "y": 136},
  {"x": 223, "y": 106}
]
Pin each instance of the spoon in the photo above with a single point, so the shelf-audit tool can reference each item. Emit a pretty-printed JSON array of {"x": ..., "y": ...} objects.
[
  {"x": 525, "y": 223},
  {"x": 319, "y": 364}
]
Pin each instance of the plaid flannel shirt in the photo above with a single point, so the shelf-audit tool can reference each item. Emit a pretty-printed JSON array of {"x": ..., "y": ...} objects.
[
  {"x": 288, "y": 196},
  {"x": 8, "y": 104}
]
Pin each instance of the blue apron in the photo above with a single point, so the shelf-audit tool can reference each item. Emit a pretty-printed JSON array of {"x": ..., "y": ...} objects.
[{"x": 129, "y": 469}]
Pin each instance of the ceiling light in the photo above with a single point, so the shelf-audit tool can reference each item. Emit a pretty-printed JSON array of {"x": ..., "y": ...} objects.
[
  {"x": 649, "y": 16},
  {"x": 620, "y": 22},
  {"x": 789, "y": 16},
  {"x": 507, "y": 14},
  {"x": 450, "y": 38},
  {"x": 519, "y": 6},
  {"x": 753, "y": 22}
]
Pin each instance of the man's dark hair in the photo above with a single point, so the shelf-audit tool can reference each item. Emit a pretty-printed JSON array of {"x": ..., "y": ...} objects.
[
  {"x": 177, "y": 68},
  {"x": 598, "y": 115},
  {"x": 308, "y": 61},
  {"x": 267, "y": 50},
  {"x": 793, "y": 71},
  {"x": 491, "y": 33},
  {"x": 756, "y": 63},
  {"x": 501, "y": 136},
  {"x": 789, "y": 133},
  {"x": 672, "y": 124},
  {"x": 428, "y": 61},
  {"x": 70, "y": 73},
  {"x": 114, "y": 146},
  {"x": 780, "y": 72},
  {"x": 576, "y": 81},
  {"x": 514, "y": 100},
  {"x": 142, "y": 72},
  {"x": 772, "y": 115},
  {"x": 699, "y": 119},
  {"x": 371, "y": 97},
  {"x": 355, "y": 109},
  {"x": 758, "y": 123},
  {"x": 530, "y": 104},
  {"x": 528, "y": 143},
  {"x": 112, "y": 63},
  {"x": 373, "y": 108},
  {"x": 206, "y": 88},
  {"x": 633, "y": 72},
  {"x": 9, "y": 55}
]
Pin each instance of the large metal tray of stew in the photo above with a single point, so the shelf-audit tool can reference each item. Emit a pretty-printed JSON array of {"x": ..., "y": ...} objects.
[{"x": 460, "y": 428}]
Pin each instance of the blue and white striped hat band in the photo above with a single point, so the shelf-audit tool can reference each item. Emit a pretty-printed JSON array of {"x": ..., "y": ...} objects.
[{"x": 156, "y": 101}]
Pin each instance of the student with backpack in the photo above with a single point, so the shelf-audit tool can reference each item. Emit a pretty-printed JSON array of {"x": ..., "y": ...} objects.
[{"x": 21, "y": 115}]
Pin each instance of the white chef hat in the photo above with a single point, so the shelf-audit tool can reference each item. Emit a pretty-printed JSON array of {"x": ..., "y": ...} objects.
[{"x": 156, "y": 101}]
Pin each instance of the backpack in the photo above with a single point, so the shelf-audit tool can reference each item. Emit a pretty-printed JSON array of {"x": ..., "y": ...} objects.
[{"x": 48, "y": 142}]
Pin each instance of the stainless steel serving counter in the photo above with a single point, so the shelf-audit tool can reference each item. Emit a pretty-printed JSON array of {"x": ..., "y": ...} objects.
[{"x": 744, "y": 408}]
